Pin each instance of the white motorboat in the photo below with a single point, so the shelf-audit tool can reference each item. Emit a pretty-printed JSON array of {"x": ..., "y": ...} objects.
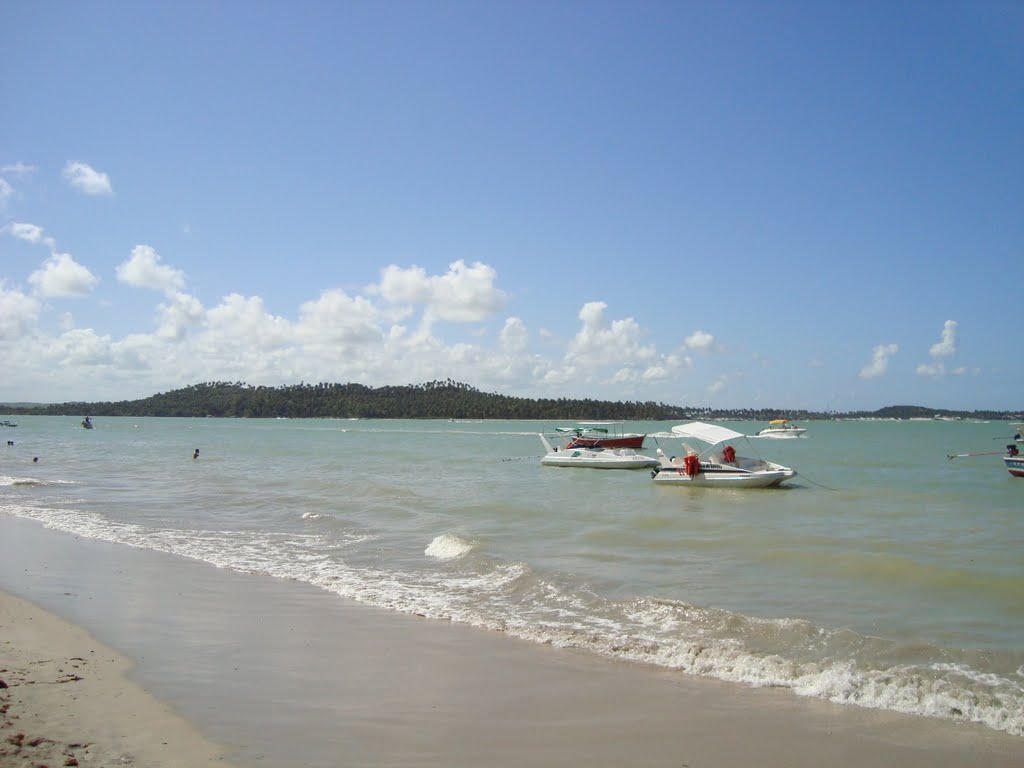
[
  {"x": 595, "y": 458},
  {"x": 781, "y": 428},
  {"x": 717, "y": 465}
]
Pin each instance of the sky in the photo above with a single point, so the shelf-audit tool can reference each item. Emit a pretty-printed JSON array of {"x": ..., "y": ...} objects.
[{"x": 728, "y": 204}]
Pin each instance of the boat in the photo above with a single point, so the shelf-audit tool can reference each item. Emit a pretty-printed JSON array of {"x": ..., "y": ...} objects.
[
  {"x": 1014, "y": 460},
  {"x": 718, "y": 465},
  {"x": 781, "y": 428},
  {"x": 7, "y": 423},
  {"x": 600, "y": 434},
  {"x": 87, "y": 423},
  {"x": 595, "y": 458}
]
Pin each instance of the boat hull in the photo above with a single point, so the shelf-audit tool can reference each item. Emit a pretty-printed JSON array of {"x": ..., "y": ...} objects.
[
  {"x": 781, "y": 433},
  {"x": 1015, "y": 465},
  {"x": 590, "y": 462},
  {"x": 723, "y": 478},
  {"x": 626, "y": 441},
  {"x": 595, "y": 458}
]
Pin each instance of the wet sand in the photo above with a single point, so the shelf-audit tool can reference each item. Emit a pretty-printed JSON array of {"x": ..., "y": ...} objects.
[{"x": 283, "y": 674}]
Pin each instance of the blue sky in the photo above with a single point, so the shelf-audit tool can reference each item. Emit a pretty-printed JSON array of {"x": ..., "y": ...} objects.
[{"x": 735, "y": 204}]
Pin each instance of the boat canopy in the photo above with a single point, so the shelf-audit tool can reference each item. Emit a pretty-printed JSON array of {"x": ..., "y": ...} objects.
[
  {"x": 778, "y": 421},
  {"x": 708, "y": 433}
]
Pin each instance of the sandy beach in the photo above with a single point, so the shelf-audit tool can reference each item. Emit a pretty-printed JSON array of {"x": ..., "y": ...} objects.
[
  {"x": 269, "y": 672},
  {"x": 65, "y": 700}
]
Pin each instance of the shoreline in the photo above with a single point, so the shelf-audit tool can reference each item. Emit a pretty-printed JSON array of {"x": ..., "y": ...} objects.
[
  {"x": 65, "y": 699},
  {"x": 290, "y": 675}
]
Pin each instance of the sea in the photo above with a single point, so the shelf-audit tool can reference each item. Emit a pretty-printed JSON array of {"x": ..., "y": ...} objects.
[{"x": 885, "y": 575}]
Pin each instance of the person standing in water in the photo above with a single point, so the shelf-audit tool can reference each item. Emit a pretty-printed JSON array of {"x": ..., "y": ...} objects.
[{"x": 195, "y": 455}]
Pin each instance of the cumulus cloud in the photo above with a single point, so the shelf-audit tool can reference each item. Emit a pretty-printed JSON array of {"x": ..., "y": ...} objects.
[
  {"x": 30, "y": 233},
  {"x": 338, "y": 336},
  {"x": 144, "y": 269},
  {"x": 6, "y": 193},
  {"x": 599, "y": 342},
  {"x": 879, "y": 361},
  {"x": 464, "y": 294},
  {"x": 17, "y": 312},
  {"x": 337, "y": 318},
  {"x": 87, "y": 180},
  {"x": 62, "y": 276},
  {"x": 945, "y": 347},
  {"x": 514, "y": 337},
  {"x": 700, "y": 341},
  {"x": 175, "y": 317}
]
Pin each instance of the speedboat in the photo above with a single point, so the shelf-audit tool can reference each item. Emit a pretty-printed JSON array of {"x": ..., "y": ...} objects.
[
  {"x": 600, "y": 434},
  {"x": 781, "y": 428},
  {"x": 595, "y": 458},
  {"x": 718, "y": 465}
]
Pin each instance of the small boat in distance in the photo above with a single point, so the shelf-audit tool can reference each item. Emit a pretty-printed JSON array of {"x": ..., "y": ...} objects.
[
  {"x": 781, "y": 428},
  {"x": 716, "y": 467},
  {"x": 595, "y": 458},
  {"x": 87, "y": 423},
  {"x": 600, "y": 434}
]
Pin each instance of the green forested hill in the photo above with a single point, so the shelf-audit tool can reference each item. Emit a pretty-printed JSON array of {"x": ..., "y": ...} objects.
[{"x": 433, "y": 400}]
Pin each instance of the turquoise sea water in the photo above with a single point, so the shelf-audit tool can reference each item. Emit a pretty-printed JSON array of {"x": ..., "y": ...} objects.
[{"x": 885, "y": 575}]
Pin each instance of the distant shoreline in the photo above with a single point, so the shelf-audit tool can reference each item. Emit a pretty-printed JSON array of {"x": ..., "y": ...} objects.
[{"x": 446, "y": 400}]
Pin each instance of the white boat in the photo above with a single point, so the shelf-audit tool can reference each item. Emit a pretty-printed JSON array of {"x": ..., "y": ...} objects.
[
  {"x": 717, "y": 465},
  {"x": 781, "y": 428},
  {"x": 595, "y": 458}
]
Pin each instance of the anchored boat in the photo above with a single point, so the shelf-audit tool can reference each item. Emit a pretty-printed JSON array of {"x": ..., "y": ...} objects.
[
  {"x": 595, "y": 458},
  {"x": 717, "y": 465}
]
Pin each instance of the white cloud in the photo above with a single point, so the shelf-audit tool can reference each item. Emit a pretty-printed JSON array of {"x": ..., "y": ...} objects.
[
  {"x": 942, "y": 349},
  {"x": 947, "y": 346},
  {"x": 17, "y": 313},
  {"x": 144, "y": 270},
  {"x": 17, "y": 169},
  {"x": 6, "y": 193},
  {"x": 464, "y": 294},
  {"x": 30, "y": 233},
  {"x": 514, "y": 337},
  {"x": 336, "y": 318},
  {"x": 178, "y": 315},
  {"x": 599, "y": 343},
  {"x": 879, "y": 361},
  {"x": 62, "y": 276},
  {"x": 700, "y": 341},
  {"x": 87, "y": 180},
  {"x": 242, "y": 323}
]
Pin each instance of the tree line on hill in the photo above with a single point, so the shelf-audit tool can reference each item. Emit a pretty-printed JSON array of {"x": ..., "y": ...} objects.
[{"x": 434, "y": 400}]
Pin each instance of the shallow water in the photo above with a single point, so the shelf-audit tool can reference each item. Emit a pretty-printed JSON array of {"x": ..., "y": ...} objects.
[{"x": 884, "y": 575}]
